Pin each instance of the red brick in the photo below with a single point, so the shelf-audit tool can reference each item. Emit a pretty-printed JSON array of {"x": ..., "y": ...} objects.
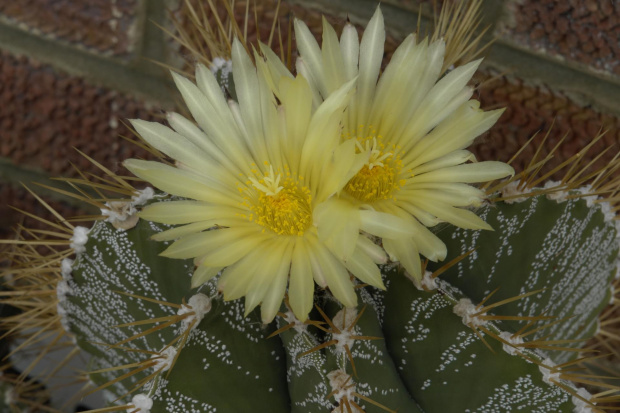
[
  {"x": 102, "y": 25},
  {"x": 46, "y": 114},
  {"x": 587, "y": 32}
]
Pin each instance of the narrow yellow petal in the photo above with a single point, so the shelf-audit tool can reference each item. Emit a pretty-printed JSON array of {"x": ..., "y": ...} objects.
[
  {"x": 301, "y": 285},
  {"x": 273, "y": 298},
  {"x": 203, "y": 274},
  {"x": 385, "y": 225},
  {"x": 203, "y": 242},
  {"x": 364, "y": 269}
]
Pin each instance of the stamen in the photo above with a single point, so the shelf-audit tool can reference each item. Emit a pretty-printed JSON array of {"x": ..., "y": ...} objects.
[
  {"x": 271, "y": 188},
  {"x": 378, "y": 179},
  {"x": 285, "y": 209}
]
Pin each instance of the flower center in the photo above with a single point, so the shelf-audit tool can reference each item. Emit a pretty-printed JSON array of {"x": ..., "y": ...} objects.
[
  {"x": 377, "y": 179},
  {"x": 282, "y": 205}
]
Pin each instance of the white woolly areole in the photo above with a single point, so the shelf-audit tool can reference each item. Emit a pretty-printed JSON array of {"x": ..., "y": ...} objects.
[
  {"x": 79, "y": 239},
  {"x": 200, "y": 305},
  {"x": 64, "y": 320},
  {"x": 221, "y": 65},
  {"x": 142, "y": 403},
  {"x": 299, "y": 326},
  {"x": 142, "y": 196},
  {"x": 62, "y": 290},
  {"x": 511, "y": 190},
  {"x": 164, "y": 359},
  {"x": 580, "y": 405},
  {"x": 66, "y": 268},
  {"x": 343, "y": 320},
  {"x": 122, "y": 214},
  {"x": 342, "y": 385},
  {"x": 467, "y": 310},
  {"x": 428, "y": 281},
  {"x": 561, "y": 196},
  {"x": 507, "y": 336},
  {"x": 224, "y": 68},
  {"x": 547, "y": 372}
]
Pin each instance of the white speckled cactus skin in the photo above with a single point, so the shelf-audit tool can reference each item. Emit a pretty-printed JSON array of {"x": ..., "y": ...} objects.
[{"x": 402, "y": 349}]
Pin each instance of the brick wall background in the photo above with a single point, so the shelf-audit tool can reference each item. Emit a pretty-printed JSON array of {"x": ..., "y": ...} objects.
[{"x": 72, "y": 71}]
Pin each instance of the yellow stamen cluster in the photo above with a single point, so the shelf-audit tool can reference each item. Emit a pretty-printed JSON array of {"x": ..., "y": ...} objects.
[
  {"x": 378, "y": 179},
  {"x": 282, "y": 206}
]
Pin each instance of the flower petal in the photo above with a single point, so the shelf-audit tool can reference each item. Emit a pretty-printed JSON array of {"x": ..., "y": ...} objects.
[
  {"x": 301, "y": 285},
  {"x": 338, "y": 224},
  {"x": 272, "y": 253},
  {"x": 203, "y": 274},
  {"x": 371, "y": 55},
  {"x": 273, "y": 298},
  {"x": 311, "y": 54},
  {"x": 205, "y": 242},
  {"x": 364, "y": 269},
  {"x": 171, "y": 143},
  {"x": 456, "y": 216},
  {"x": 372, "y": 250},
  {"x": 385, "y": 225},
  {"x": 333, "y": 62},
  {"x": 178, "y": 182},
  {"x": 336, "y": 275},
  {"x": 467, "y": 173},
  {"x": 350, "y": 49}
]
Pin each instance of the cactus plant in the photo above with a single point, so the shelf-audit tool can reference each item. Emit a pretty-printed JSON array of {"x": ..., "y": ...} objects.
[
  {"x": 399, "y": 350},
  {"x": 497, "y": 324}
]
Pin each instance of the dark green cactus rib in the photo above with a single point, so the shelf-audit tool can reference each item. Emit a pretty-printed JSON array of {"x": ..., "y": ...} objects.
[
  {"x": 567, "y": 248},
  {"x": 227, "y": 363},
  {"x": 448, "y": 369},
  {"x": 424, "y": 360}
]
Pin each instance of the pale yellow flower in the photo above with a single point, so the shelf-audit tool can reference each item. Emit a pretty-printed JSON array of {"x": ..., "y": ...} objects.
[
  {"x": 256, "y": 169},
  {"x": 415, "y": 123}
]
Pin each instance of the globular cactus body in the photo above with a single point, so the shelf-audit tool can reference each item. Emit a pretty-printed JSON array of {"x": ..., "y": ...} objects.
[{"x": 402, "y": 349}]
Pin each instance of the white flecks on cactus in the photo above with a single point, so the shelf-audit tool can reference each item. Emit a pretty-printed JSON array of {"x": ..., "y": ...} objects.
[
  {"x": 582, "y": 406},
  {"x": 510, "y": 339},
  {"x": 79, "y": 239},
  {"x": 344, "y": 320},
  {"x": 164, "y": 359},
  {"x": 568, "y": 236},
  {"x": 199, "y": 304},
  {"x": 142, "y": 403},
  {"x": 547, "y": 368},
  {"x": 428, "y": 281},
  {"x": 521, "y": 394},
  {"x": 467, "y": 311},
  {"x": 66, "y": 268},
  {"x": 342, "y": 385},
  {"x": 510, "y": 192}
]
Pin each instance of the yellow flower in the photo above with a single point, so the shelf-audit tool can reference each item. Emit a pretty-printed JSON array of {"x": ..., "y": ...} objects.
[
  {"x": 415, "y": 123},
  {"x": 253, "y": 173}
]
